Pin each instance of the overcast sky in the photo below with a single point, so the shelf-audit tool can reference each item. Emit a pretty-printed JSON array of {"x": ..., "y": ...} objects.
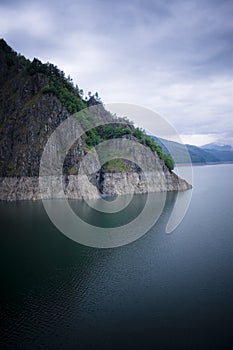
[{"x": 174, "y": 57}]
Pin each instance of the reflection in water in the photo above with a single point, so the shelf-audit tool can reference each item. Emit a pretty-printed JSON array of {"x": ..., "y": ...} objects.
[
  {"x": 99, "y": 218},
  {"x": 92, "y": 227}
]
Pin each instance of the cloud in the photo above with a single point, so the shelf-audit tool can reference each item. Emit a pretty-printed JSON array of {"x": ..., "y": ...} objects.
[
  {"x": 198, "y": 139},
  {"x": 172, "y": 57},
  {"x": 32, "y": 19}
]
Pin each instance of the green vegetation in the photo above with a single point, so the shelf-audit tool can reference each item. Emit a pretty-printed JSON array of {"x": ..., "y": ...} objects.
[
  {"x": 63, "y": 88},
  {"x": 13, "y": 58},
  {"x": 106, "y": 132},
  {"x": 148, "y": 141},
  {"x": 72, "y": 103},
  {"x": 59, "y": 85},
  {"x": 92, "y": 138},
  {"x": 114, "y": 166},
  {"x": 114, "y": 132}
]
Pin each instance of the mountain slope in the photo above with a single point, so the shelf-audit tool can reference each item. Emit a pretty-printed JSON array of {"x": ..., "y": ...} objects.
[
  {"x": 224, "y": 153},
  {"x": 34, "y": 99},
  {"x": 28, "y": 114},
  {"x": 217, "y": 147},
  {"x": 198, "y": 155}
]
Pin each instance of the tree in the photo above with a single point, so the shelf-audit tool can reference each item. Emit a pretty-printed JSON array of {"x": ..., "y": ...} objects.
[{"x": 81, "y": 92}]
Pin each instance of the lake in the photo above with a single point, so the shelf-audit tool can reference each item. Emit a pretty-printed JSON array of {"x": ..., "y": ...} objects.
[{"x": 163, "y": 291}]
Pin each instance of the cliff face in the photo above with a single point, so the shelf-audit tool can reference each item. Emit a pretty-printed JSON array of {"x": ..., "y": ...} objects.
[
  {"x": 29, "y": 112},
  {"x": 122, "y": 183},
  {"x": 27, "y": 119}
]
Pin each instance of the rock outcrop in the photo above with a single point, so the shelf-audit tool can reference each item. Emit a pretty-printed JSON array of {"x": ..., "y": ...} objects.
[{"x": 75, "y": 187}]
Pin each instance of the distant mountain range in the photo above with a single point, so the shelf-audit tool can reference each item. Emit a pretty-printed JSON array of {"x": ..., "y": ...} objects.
[
  {"x": 218, "y": 147},
  {"x": 211, "y": 153}
]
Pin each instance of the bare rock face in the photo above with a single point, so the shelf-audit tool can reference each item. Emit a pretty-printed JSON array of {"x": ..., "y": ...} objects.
[
  {"x": 143, "y": 172},
  {"x": 78, "y": 187},
  {"x": 126, "y": 183},
  {"x": 27, "y": 188}
]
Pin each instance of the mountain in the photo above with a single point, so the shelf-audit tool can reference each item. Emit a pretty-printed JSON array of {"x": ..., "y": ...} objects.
[
  {"x": 207, "y": 154},
  {"x": 35, "y": 98},
  {"x": 217, "y": 147},
  {"x": 224, "y": 153}
]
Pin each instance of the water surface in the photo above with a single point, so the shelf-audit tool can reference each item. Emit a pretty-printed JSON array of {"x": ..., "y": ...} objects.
[{"x": 160, "y": 292}]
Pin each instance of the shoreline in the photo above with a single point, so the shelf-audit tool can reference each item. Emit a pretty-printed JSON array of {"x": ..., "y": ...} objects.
[
  {"x": 79, "y": 187},
  {"x": 202, "y": 164}
]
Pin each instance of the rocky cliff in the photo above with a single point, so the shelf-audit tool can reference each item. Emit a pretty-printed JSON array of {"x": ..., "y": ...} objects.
[{"x": 34, "y": 99}]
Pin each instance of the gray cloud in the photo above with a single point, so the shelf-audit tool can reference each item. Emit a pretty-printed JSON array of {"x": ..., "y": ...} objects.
[{"x": 173, "y": 57}]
